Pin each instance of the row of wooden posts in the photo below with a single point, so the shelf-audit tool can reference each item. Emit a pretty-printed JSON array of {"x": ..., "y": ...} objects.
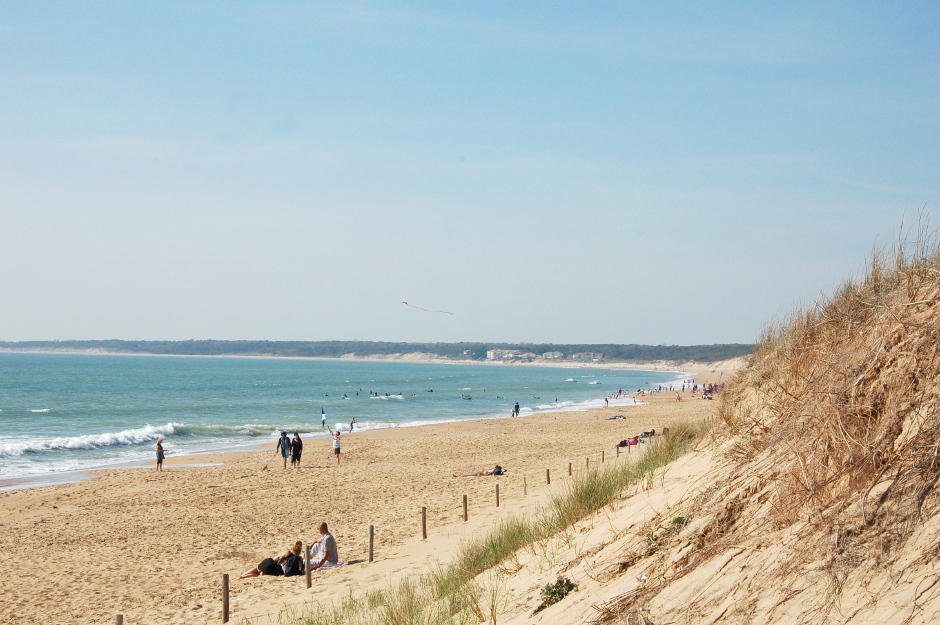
[{"x": 119, "y": 618}]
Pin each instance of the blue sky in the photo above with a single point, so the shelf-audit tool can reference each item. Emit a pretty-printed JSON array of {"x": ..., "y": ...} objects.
[{"x": 547, "y": 171}]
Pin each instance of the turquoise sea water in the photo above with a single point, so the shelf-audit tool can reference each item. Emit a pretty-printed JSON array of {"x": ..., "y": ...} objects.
[{"x": 61, "y": 413}]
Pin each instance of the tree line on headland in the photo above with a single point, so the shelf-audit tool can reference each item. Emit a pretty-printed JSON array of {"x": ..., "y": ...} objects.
[{"x": 335, "y": 349}]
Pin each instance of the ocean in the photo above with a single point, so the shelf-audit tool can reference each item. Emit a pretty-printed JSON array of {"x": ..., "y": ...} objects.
[{"x": 66, "y": 413}]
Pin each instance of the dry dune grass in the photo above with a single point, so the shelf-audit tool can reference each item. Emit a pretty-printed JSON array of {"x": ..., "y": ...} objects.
[
  {"x": 832, "y": 431},
  {"x": 846, "y": 397}
]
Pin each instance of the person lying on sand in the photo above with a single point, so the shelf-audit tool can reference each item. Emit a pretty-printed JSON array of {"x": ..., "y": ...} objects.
[
  {"x": 497, "y": 470},
  {"x": 276, "y": 565}
]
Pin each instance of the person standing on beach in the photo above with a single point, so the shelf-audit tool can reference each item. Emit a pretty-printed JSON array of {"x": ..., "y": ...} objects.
[
  {"x": 516, "y": 409},
  {"x": 336, "y": 444},
  {"x": 283, "y": 447},
  {"x": 160, "y": 454},
  {"x": 323, "y": 416},
  {"x": 351, "y": 422},
  {"x": 296, "y": 448}
]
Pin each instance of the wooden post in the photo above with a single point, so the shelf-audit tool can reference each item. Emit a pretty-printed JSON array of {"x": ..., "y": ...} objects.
[
  {"x": 225, "y": 597},
  {"x": 497, "y": 495},
  {"x": 525, "y": 487},
  {"x": 548, "y": 476},
  {"x": 371, "y": 541},
  {"x": 464, "y": 508},
  {"x": 628, "y": 448},
  {"x": 587, "y": 462},
  {"x": 307, "y": 566},
  {"x": 118, "y": 619},
  {"x": 618, "y": 451},
  {"x": 424, "y": 522},
  {"x": 569, "y": 469},
  {"x": 602, "y": 455}
]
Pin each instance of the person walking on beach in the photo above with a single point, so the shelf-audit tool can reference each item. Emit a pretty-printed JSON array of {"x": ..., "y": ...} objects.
[
  {"x": 296, "y": 448},
  {"x": 160, "y": 454},
  {"x": 283, "y": 447},
  {"x": 336, "y": 443},
  {"x": 351, "y": 422}
]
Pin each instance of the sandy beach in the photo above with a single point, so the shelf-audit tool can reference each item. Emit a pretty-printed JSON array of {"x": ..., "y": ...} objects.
[{"x": 153, "y": 545}]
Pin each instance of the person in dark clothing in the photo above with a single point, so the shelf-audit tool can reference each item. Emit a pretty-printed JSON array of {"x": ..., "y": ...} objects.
[{"x": 296, "y": 448}]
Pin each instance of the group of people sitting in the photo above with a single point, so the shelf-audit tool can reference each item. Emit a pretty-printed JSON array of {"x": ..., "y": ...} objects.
[
  {"x": 323, "y": 554},
  {"x": 636, "y": 440}
]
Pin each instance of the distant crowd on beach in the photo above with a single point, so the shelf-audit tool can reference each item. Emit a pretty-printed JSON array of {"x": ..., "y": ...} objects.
[{"x": 292, "y": 448}]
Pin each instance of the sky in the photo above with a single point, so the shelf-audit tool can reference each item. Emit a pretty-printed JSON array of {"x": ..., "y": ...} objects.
[{"x": 568, "y": 172}]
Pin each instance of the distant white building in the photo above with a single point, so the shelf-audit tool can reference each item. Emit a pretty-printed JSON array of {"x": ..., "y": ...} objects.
[
  {"x": 502, "y": 354},
  {"x": 528, "y": 355},
  {"x": 592, "y": 356},
  {"x": 552, "y": 355}
]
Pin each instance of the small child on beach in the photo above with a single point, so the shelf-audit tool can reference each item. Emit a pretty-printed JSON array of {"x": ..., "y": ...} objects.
[
  {"x": 160, "y": 454},
  {"x": 336, "y": 443}
]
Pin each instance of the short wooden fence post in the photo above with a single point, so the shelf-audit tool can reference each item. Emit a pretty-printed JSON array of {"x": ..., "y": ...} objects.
[
  {"x": 118, "y": 619},
  {"x": 569, "y": 469},
  {"x": 307, "y": 566},
  {"x": 497, "y": 495},
  {"x": 602, "y": 455},
  {"x": 525, "y": 487},
  {"x": 225, "y": 597},
  {"x": 548, "y": 476},
  {"x": 371, "y": 541},
  {"x": 464, "y": 508},
  {"x": 587, "y": 462},
  {"x": 424, "y": 522}
]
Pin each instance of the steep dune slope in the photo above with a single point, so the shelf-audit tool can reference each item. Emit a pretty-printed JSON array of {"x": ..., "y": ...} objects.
[{"x": 824, "y": 505}]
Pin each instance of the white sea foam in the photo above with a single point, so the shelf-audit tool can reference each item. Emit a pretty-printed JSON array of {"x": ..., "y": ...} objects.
[
  {"x": 41, "y": 410},
  {"x": 18, "y": 447},
  {"x": 146, "y": 434}
]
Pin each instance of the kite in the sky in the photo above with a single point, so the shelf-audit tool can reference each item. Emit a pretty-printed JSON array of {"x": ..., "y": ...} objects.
[{"x": 443, "y": 312}]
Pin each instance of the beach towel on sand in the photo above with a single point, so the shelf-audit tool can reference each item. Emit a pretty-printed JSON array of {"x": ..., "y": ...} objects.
[{"x": 332, "y": 566}]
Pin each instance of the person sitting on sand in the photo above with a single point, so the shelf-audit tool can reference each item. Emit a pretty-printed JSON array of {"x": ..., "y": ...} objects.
[
  {"x": 273, "y": 566},
  {"x": 497, "y": 470},
  {"x": 326, "y": 547}
]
